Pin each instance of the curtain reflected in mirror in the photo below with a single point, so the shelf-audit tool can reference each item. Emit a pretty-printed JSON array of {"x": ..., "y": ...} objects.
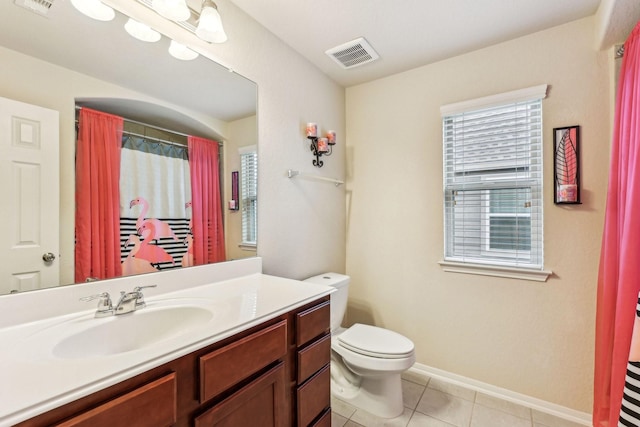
[{"x": 144, "y": 204}]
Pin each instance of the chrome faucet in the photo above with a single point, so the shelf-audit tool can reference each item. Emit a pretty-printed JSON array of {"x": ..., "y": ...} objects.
[
  {"x": 105, "y": 307},
  {"x": 129, "y": 301}
]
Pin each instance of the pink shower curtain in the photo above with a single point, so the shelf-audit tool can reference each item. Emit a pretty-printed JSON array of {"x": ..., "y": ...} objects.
[
  {"x": 619, "y": 276},
  {"x": 97, "y": 253},
  {"x": 206, "y": 205}
]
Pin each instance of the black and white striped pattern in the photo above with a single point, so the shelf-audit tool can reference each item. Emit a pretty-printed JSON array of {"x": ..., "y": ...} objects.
[{"x": 630, "y": 410}]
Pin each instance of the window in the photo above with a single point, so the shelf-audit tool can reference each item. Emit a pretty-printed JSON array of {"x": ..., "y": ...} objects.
[
  {"x": 249, "y": 194},
  {"x": 493, "y": 180}
]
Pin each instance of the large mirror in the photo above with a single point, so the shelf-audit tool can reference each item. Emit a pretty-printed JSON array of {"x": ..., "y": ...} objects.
[{"x": 56, "y": 58}]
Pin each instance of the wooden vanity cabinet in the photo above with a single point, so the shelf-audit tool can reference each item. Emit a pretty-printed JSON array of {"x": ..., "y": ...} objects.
[
  {"x": 274, "y": 374},
  {"x": 313, "y": 357}
]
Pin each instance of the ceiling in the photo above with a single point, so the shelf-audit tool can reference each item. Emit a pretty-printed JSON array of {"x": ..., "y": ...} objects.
[{"x": 406, "y": 33}]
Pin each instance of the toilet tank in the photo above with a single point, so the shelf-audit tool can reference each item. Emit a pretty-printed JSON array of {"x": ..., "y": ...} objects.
[{"x": 338, "y": 297}]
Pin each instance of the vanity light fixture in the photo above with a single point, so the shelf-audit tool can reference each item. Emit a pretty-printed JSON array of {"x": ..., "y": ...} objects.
[
  {"x": 94, "y": 9},
  {"x": 320, "y": 146},
  {"x": 180, "y": 51},
  {"x": 176, "y": 10},
  {"x": 141, "y": 31},
  {"x": 210, "y": 27},
  {"x": 206, "y": 24}
]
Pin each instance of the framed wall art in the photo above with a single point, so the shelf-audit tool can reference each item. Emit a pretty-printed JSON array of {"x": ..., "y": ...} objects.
[
  {"x": 566, "y": 162},
  {"x": 234, "y": 203}
]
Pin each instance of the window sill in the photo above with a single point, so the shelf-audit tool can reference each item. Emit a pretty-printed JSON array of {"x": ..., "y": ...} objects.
[
  {"x": 491, "y": 270},
  {"x": 248, "y": 246}
]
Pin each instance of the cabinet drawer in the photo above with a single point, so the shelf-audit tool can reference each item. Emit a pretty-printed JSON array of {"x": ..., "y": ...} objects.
[
  {"x": 260, "y": 403},
  {"x": 231, "y": 364},
  {"x": 324, "y": 420},
  {"x": 314, "y": 397},
  {"x": 312, "y": 323},
  {"x": 152, "y": 405},
  {"x": 313, "y": 357}
]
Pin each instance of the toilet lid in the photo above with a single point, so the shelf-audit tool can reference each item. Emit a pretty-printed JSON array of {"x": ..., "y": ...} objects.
[{"x": 376, "y": 342}]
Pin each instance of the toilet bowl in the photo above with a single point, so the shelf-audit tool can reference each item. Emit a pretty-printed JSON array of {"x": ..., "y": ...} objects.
[{"x": 366, "y": 361}]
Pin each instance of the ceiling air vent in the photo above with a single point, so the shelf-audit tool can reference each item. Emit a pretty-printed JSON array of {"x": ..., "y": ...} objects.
[
  {"x": 352, "y": 54},
  {"x": 41, "y": 7}
]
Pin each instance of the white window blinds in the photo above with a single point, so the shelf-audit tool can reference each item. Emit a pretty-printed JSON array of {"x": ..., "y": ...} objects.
[
  {"x": 493, "y": 180},
  {"x": 249, "y": 194}
]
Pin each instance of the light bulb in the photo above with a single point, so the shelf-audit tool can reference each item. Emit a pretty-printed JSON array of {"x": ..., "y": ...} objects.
[
  {"x": 94, "y": 9},
  {"x": 176, "y": 10},
  {"x": 180, "y": 51},
  {"x": 210, "y": 27},
  {"x": 141, "y": 31}
]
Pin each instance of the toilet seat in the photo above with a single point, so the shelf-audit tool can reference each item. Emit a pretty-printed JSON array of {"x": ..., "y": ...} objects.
[{"x": 376, "y": 342}]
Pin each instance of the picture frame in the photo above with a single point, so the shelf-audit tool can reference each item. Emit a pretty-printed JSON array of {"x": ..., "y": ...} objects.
[
  {"x": 234, "y": 203},
  {"x": 566, "y": 165}
]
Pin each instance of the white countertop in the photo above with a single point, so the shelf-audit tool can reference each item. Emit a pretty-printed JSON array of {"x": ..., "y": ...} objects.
[{"x": 34, "y": 380}]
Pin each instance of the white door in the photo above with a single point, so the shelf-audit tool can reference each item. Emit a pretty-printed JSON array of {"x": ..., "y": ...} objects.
[{"x": 29, "y": 197}]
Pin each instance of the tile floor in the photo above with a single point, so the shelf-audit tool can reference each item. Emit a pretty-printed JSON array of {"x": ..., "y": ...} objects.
[{"x": 432, "y": 403}]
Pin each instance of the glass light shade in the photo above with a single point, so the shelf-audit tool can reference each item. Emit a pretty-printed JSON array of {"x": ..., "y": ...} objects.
[
  {"x": 210, "y": 27},
  {"x": 141, "y": 31},
  {"x": 180, "y": 51},
  {"x": 94, "y": 9},
  {"x": 176, "y": 10}
]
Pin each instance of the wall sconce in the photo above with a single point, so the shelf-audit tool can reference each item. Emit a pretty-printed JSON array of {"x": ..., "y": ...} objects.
[{"x": 320, "y": 146}]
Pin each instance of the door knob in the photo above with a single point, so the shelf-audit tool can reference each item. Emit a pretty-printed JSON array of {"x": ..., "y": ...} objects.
[{"x": 48, "y": 257}]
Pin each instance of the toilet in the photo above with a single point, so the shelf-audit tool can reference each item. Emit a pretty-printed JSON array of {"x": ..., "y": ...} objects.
[{"x": 366, "y": 361}]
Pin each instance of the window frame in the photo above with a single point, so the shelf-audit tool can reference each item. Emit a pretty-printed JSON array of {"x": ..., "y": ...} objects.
[
  {"x": 248, "y": 198},
  {"x": 478, "y": 264}
]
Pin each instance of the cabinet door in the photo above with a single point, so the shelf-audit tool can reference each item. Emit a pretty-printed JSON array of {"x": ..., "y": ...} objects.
[
  {"x": 152, "y": 405},
  {"x": 261, "y": 403}
]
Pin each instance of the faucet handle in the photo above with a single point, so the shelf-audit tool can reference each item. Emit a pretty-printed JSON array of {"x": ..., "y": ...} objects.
[
  {"x": 139, "y": 288},
  {"x": 140, "y": 301},
  {"x": 105, "y": 306}
]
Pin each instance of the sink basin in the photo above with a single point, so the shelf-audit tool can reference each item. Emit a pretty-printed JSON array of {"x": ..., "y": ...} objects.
[{"x": 133, "y": 331}]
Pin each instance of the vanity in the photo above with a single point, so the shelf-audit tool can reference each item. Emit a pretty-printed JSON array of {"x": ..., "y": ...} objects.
[{"x": 233, "y": 347}]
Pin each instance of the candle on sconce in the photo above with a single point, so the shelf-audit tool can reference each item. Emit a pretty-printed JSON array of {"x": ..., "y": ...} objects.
[
  {"x": 323, "y": 145},
  {"x": 331, "y": 137},
  {"x": 312, "y": 130}
]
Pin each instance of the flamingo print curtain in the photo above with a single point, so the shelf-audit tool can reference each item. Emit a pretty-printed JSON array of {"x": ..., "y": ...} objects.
[
  {"x": 155, "y": 194},
  {"x": 617, "y": 364},
  {"x": 97, "y": 253},
  {"x": 134, "y": 207}
]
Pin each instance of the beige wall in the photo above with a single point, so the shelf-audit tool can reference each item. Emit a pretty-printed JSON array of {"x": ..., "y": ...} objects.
[
  {"x": 528, "y": 337},
  {"x": 242, "y": 133},
  {"x": 301, "y": 224}
]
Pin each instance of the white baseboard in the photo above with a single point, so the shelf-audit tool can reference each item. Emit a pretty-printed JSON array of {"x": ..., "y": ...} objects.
[{"x": 504, "y": 394}]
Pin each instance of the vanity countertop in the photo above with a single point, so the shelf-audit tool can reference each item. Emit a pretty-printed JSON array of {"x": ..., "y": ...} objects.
[{"x": 33, "y": 379}]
